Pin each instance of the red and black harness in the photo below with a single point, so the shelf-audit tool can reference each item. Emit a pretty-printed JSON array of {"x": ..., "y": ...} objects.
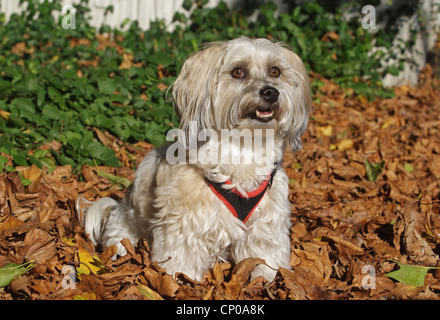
[{"x": 241, "y": 206}]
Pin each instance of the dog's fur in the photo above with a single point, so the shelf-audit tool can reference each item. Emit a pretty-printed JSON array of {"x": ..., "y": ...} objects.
[{"x": 187, "y": 226}]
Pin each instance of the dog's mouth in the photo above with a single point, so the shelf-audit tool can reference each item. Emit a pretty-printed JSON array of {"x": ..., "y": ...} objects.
[{"x": 262, "y": 113}]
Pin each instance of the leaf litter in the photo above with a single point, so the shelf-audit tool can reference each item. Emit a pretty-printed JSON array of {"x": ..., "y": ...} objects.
[{"x": 365, "y": 191}]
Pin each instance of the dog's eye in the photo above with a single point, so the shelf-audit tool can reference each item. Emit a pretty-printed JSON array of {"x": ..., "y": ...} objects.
[
  {"x": 275, "y": 72},
  {"x": 238, "y": 73}
]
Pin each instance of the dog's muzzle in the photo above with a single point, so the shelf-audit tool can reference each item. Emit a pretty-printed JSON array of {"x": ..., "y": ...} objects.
[{"x": 267, "y": 107}]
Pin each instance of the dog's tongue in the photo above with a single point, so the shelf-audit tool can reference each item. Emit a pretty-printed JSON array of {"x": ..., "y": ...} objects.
[{"x": 264, "y": 114}]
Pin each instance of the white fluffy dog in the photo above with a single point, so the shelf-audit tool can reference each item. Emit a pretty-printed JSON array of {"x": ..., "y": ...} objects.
[{"x": 194, "y": 213}]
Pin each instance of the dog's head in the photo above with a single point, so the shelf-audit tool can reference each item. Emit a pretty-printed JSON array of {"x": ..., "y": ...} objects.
[{"x": 245, "y": 83}]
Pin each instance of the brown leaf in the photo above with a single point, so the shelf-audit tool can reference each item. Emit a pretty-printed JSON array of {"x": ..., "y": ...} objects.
[
  {"x": 9, "y": 223},
  {"x": 17, "y": 185},
  {"x": 47, "y": 209},
  {"x": 240, "y": 275},
  {"x": 314, "y": 259},
  {"x": 164, "y": 284},
  {"x": 127, "y": 61},
  {"x": 404, "y": 291},
  {"x": 162, "y": 86},
  {"x": 39, "y": 245},
  {"x": 346, "y": 172},
  {"x": 130, "y": 250},
  {"x": 43, "y": 286},
  {"x": 90, "y": 282},
  {"x": 332, "y": 35},
  {"x": 434, "y": 165},
  {"x": 33, "y": 174},
  {"x": 416, "y": 247},
  {"x": 21, "y": 286}
]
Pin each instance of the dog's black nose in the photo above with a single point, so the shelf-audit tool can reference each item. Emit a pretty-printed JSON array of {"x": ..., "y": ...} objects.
[{"x": 270, "y": 94}]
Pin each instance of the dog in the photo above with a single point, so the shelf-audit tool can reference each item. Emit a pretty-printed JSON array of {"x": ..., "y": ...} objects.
[{"x": 195, "y": 213}]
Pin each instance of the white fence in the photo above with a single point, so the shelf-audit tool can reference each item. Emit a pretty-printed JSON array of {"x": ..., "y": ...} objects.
[
  {"x": 142, "y": 10},
  {"x": 145, "y": 11}
]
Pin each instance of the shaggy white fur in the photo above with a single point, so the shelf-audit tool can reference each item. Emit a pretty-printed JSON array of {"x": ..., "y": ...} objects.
[{"x": 242, "y": 84}]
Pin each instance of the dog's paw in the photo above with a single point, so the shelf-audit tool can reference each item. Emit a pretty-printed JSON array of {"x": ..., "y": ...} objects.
[{"x": 264, "y": 271}]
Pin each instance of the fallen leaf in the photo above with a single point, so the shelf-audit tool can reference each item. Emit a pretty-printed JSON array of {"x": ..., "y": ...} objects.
[
  {"x": 34, "y": 175},
  {"x": 410, "y": 274},
  {"x": 148, "y": 293},
  {"x": 38, "y": 245},
  {"x": 434, "y": 165},
  {"x": 325, "y": 131},
  {"x": 4, "y": 114},
  {"x": 89, "y": 263},
  {"x": 119, "y": 181},
  {"x": 162, "y": 86},
  {"x": 345, "y": 144},
  {"x": 10, "y": 271},
  {"x": 240, "y": 275},
  {"x": 90, "y": 295},
  {"x": 10, "y": 222},
  {"x": 164, "y": 284}
]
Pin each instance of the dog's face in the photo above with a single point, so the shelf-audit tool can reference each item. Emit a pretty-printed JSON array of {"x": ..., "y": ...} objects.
[{"x": 245, "y": 83}]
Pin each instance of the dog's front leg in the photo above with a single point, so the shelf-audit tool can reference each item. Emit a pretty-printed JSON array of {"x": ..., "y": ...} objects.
[
  {"x": 269, "y": 240},
  {"x": 180, "y": 252}
]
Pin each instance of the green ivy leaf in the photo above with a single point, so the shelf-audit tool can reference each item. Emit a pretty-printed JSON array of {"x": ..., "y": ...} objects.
[
  {"x": 10, "y": 271},
  {"x": 106, "y": 86},
  {"x": 187, "y": 4},
  {"x": 410, "y": 274}
]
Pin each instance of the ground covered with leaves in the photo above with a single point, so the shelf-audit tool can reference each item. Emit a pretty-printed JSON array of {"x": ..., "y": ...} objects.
[{"x": 365, "y": 194}]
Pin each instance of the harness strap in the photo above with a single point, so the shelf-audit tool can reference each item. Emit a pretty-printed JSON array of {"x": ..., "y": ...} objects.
[{"x": 241, "y": 207}]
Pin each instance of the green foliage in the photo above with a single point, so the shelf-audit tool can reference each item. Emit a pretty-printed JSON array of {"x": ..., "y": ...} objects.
[
  {"x": 10, "y": 271},
  {"x": 43, "y": 98},
  {"x": 373, "y": 171},
  {"x": 409, "y": 274}
]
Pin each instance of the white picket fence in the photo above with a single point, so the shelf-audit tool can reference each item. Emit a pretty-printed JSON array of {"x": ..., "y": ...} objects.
[
  {"x": 145, "y": 11},
  {"x": 142, "y": 10}
]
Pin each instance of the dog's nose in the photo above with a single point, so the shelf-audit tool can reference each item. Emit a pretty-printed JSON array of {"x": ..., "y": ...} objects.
[{"x": 270, "y": 94}]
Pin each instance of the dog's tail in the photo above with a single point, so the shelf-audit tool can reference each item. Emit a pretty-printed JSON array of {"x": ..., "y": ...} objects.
[{"x": 94, "y": 218}]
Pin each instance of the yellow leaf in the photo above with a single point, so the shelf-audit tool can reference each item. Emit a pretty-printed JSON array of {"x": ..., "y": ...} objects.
[
  {"x": 362, "y": 99},
  {"x": 149, "y": 293},
  {"x": 345, "y": 144},
  {"x": 334, "y": 223},
  {"x": 89, "y": 263},
  {"x": 4, "y": 114},
  {"x": 388, "y": 122},
  {"x": 85, "y": 296},
  {"x": 69, "y": 241},
  {"x": 325, "y": 131}
]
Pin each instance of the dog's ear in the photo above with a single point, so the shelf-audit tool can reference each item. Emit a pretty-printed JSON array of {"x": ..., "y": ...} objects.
[
  {"x": 193, "y": 89},
  {"x": 302, "y": 100}
]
